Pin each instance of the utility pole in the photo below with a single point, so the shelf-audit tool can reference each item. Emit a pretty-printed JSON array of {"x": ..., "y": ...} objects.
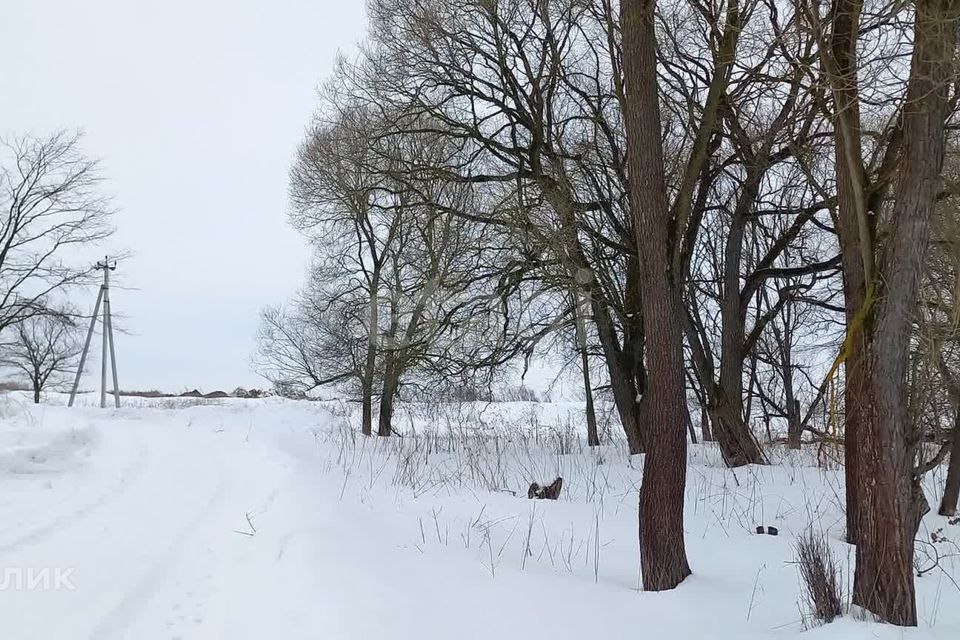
[{"x": 103, "y": 299}]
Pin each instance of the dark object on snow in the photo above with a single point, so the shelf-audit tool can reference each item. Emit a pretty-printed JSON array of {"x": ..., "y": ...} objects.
[
  {"x": 760, "y": 531},
  {"x": 191, "y": 394},
  {"x": 773, "y": 531},
  {"x": 955, "y": 521},
  {"x": 549, "y": 492},
  {"x": 215, "y": 395}
]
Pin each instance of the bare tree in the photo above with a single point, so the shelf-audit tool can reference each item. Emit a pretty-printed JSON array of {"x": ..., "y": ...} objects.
[
  {"x": 885, "y": 219},
  {"x": 340, "y": 201},
  {"x": 49, "y": 203},
  {"x": 43, "y": 348},
  {"x": 534, "y": 114},
  {"x": 398, "y": 262},
  {"x": 663, "y": 555},
  {"x": 303, "y": 347}
]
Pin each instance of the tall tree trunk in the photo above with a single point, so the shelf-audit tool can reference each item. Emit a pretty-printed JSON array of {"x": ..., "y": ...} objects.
[
  {"x": 883, "y": 581},
  {"x": 850, "y": 208},
  {"x": 36, "y": 393},
  {"x": 397, "y": 359},
  {"x": 622, "y": 380},
  {"x": 663, "y": 557},
  {"x": 391, "y": 370},
  {"x": 951, "y": 492},
  {"x": 690, "y": 429},
  {"x": 366, "y": 408},
  {"x": 593, "y": 435},
  {"x": 794, "y": 426},
  {"x": 738, "y": 446},
  {"x": 853, "y": 402},
  {"x": 794, "y": 416},
  {"x": 705, "y": 429},
  {"x": 391, "y": 382},
  {"x": 737, "y": 443},
  {"x": 951, "y": 489},
  {"x": 370, "y": 362}
]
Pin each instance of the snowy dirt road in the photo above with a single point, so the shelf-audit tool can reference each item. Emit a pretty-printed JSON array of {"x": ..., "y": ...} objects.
[
  {"x": 261, "y": 520},
  {"x": 159, "y": 524}
]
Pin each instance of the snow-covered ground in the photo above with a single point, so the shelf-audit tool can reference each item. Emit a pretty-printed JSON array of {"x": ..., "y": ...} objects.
[{"x": 275, "y": 519}]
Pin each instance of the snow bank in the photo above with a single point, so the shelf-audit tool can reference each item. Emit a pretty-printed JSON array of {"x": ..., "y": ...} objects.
[
  {"x": 30, "y": 446},
  {"x": 51, "y": 453}
]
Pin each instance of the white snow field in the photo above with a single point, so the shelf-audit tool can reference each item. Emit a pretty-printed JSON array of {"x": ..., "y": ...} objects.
[{"x": 276, "y": 519}]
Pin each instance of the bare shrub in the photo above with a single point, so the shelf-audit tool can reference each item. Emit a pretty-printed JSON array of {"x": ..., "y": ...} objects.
[{"x": 820, "y": 574}]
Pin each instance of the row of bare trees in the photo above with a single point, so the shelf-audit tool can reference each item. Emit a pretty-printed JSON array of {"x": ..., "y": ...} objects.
[{"x": 721, "y": 204}]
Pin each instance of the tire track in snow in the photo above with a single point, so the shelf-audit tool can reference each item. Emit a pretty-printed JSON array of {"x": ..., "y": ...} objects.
[
  {"x": 172, "y": 595},
  {"x": 124, "y": 614}
]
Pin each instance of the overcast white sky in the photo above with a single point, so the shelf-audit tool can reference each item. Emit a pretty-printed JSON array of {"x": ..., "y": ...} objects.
[{"x": 195, "y": 108}]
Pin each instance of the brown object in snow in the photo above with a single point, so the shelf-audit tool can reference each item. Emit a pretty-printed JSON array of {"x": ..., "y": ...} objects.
[{"x": 549, "y": 492}]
